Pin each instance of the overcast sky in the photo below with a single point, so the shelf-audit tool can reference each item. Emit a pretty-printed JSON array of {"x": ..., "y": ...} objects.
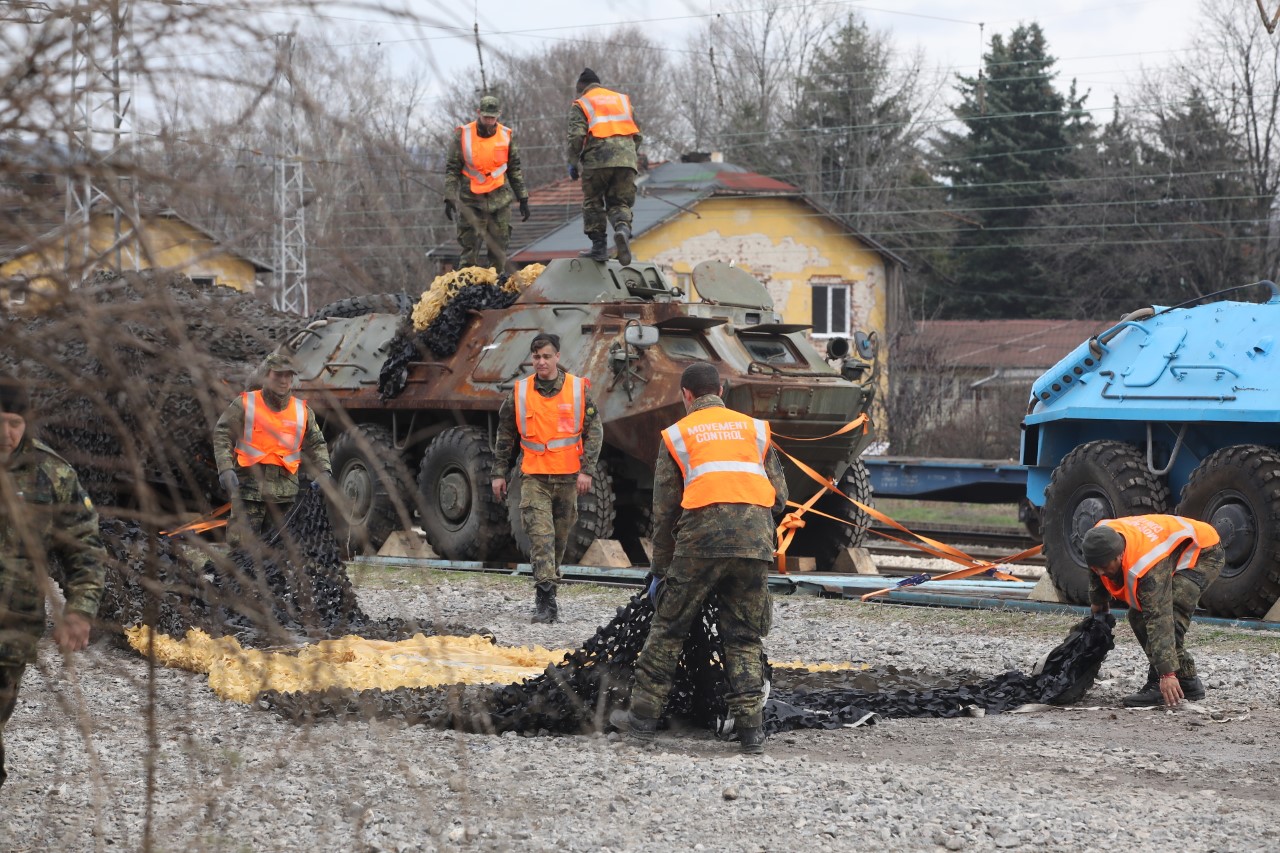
[{"x": 1104, "y": 45}]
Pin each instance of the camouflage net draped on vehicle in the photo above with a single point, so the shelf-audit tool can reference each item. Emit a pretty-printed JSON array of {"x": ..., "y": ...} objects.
[{"x": 441, "y": 316}]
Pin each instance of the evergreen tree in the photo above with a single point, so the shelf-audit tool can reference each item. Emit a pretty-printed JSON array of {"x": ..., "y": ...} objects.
[{"x": 1002, "y": 168}]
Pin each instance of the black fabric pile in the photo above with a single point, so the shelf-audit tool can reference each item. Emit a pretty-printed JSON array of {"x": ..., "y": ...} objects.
[
  {"x": 441, "y": 338},
  {"x": 293, "y": 589},
  {"x": 576, "y": 695}
]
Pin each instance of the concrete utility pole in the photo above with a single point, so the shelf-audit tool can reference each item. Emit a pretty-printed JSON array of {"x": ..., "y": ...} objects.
[
  {"x": 99, "y": 133},
  {"x": 290, "y": 195}
]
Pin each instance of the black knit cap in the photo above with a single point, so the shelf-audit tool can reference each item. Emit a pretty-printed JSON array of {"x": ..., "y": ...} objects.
[
  {"x": 13, "y": 396},
  {"x": 1101, "y": 545},
  {"x": 587, "y": 76}
]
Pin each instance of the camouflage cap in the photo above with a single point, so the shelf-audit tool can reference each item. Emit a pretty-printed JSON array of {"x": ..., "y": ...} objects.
[
  {"x": 489, "y": 106},
  {"x": 281, "y": 363}
]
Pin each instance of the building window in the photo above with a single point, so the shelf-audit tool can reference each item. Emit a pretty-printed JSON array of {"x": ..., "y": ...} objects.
[{"x": 830, "y": 309}]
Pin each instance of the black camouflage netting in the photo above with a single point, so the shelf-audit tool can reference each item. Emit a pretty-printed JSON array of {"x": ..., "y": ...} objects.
[
  {"x": 129, "y": 373},
  {"x": 294, "y": 589},
  {"x": 441, "y": 337},
  {"x": 577, "y": 694}
]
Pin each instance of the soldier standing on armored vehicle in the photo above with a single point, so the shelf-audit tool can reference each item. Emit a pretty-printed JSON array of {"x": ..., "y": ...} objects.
[
  {"x": 560, "y": 437},
  {"x": 46, "y": 517},
  {"x": 1158, "y": 565},
  {"x": 484, "y": 153},
  {"x": 604, "y": 137},
  {"x": 258, "y": 444}
]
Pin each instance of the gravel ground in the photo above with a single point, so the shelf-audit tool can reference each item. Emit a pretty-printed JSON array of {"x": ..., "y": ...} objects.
[{"x": 231, "y": 778}]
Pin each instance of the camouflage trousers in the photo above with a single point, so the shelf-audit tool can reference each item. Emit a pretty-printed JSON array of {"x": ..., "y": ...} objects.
[
  {"x": 741, "y": 587},
  {"x": 607, "y": 197},
  {"x": 478, "y": 227},
  {"x": 548, "y": 510},
  {"x": 251, "y": 519},
  {"x": 10, "y": 678},
  {"x": 1187, "y": 588}
]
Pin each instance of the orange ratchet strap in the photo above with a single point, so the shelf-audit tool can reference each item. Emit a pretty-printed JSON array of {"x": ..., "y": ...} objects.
[
  {"x": 200, "y": 525},
  {"x": 793, "y": 521}
]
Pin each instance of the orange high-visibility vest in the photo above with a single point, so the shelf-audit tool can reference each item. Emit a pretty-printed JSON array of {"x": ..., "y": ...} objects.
[
  {"x": 272, "y": 438},
  {"x": 551, "y": 427},
  {"x": 721, "y": 454},
  {"x": 608, "y": 113},
  {"x": 1148, "y": 539},
  {"x": 484, "y": 160}
]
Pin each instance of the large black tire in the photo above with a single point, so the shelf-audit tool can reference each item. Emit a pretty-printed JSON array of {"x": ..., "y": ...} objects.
[
  {"x": 824, "y": 539},
  {"x": 596, "y": 515},
  {"x": 358, "y": 306},
  {"x": 375, "y": 488},
  {"x": 462, "y": 519},
  {"x": 1237, "y": 490},
  {"x": 1101, "y": 479}
]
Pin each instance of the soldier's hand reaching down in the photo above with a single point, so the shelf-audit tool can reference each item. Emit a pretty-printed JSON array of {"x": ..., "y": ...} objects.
[
  {"x": 500, "y": 488},
  {"x": 230, "y": 483},
  {"x": 524, "y": 210},
  {"x": 584, "y": 483},
  {"x": 449, "y": 209},
  {"x": 1170, "y": 689},
  {"x": 72, "y": 632}
]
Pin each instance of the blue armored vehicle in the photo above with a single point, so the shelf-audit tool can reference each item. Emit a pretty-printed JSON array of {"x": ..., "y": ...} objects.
[{"x": 1170, "y": 410}]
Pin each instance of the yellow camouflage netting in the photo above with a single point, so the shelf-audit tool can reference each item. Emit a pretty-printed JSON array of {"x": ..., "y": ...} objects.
[
  {"x": 446, "y": 286},
  {"x": 240, "y": 674}
]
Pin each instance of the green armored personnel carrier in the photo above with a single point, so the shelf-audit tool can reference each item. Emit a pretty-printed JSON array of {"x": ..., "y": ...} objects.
[{"x": 425, "y": 455}]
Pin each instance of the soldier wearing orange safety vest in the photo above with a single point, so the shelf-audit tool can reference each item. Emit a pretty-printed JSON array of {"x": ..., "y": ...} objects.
[
  {"x": 483, "y": 175},
  {"x": 259, "y": 444},
  {"x": 1158, "y": 565},
  {"x": 560, "y": 437},
  {"x": 717, "y": 485},
  {"x": 605, "y": 138}
]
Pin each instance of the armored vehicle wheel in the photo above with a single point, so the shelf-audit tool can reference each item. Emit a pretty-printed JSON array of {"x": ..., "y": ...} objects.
[
  {"x": 462, "y": 519},
  {"x": 370, "y": 475},
  {"x": 1237, "y": 490},
  {"x": 595, "y": 515},
  {"x": 822, "y": 538},
  {"x": 358, "y": 306},
  {"x": 1101, "y": 479}
]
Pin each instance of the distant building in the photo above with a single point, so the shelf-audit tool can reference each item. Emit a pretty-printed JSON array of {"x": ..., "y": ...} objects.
[{"x": 39, "y": 252}]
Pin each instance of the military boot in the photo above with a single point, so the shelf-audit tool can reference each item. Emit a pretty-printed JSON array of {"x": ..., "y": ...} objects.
[
  {"x": 544, "y": 602},
  {"x": 1192, "y": 688},
  {"x": 552, "y": 607},
  {"x": 751, "y": 740},
  {"x": 1149, "y": 696},
  {"x": 622, "y": 242},
  {"x": 640, "y": 729},
  {"x": 599, "y": 250}
]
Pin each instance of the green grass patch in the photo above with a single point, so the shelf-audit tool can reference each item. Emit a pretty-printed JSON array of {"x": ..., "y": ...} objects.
[{"x": 947, "y": 512}]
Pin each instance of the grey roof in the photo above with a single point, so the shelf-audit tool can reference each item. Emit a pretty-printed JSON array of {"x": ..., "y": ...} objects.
[{"x": 647, "y": 213}]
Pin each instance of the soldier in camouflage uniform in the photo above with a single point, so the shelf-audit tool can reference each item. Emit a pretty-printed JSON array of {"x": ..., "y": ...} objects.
[
  {"x": 548, "y": 501},
  {"x": 605, "y": 138},
  {"x": 46, "y": 518},
  {"x": 1159, "y": 565},
  {"x": 485, "y": 213},
  {"x": 262, "y": 494},
  {"x": 723, "y": 549}
]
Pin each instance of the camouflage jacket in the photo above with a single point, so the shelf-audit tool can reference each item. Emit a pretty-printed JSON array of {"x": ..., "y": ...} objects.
[
  {"x": 508, "y": 439},
  {"x": 1155, "y": 596},
  {"x": 718, "y": 530},
  {"x": 456, "y": 185},
  {"x": 268, "y": 483},
  {"x": 600, "y": 153},
  {"x": 48, "y": 529}
]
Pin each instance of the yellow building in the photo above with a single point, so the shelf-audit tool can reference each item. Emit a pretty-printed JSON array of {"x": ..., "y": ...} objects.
[
  {"x": 818, "y": 271},
  {"x": 57, "y": 256}
]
